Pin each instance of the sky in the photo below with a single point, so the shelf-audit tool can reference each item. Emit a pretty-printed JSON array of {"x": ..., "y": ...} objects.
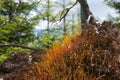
[{"x": 98, "y": 8}]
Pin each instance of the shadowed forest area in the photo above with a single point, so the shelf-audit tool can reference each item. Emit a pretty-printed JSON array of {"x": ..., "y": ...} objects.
[{"x": 58, "y": 40}]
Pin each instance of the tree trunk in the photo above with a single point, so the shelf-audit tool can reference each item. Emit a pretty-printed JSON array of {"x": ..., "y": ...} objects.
[
  {"x": 64, "y": 27},
  {"x": 48, "y": 15},
  {"x": 73, "y": 24},
  {"x": 85, "y": 12},
  {"x": 64, "y": 21}
]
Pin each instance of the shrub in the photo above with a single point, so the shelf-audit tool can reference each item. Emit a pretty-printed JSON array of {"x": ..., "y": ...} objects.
[{"x": 94, "y": 54}]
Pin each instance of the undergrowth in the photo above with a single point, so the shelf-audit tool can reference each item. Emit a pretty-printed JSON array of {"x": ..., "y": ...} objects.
[{"x": 91, "y": 55}]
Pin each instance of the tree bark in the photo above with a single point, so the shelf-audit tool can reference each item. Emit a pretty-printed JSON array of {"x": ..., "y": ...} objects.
[{"x": 85, "y": 12}]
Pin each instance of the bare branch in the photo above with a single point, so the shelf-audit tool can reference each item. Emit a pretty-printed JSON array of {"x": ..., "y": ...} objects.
[
  {"x": 99, "y": 78},
  {"x": 16, "y": 45},
  {"x": 67, "y": 10},
  {"x": 63, "y": 15}
]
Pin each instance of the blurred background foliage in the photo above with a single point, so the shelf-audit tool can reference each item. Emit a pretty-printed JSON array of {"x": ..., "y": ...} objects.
[{"x": 115, "y": 4}]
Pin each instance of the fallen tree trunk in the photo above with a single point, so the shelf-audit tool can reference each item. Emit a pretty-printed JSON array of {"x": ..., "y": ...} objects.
[{"x": 16, "y": 45}]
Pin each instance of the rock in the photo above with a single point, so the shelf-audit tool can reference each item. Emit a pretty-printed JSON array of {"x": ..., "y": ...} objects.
[
  {"x": 36, "y": 56},
  {"x": 14, "y": 62}
]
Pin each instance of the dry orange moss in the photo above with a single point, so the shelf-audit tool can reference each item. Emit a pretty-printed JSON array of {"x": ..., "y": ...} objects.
[
  {"x": 54, "y": 64},
  {"x": 82, "y": 57}
]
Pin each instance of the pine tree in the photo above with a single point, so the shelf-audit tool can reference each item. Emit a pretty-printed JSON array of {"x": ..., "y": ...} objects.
[
  {"x": 15, "y": 26},
  {"x": 115, "y": 4}
]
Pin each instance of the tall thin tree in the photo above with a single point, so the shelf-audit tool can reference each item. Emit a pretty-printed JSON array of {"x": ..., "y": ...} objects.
[
  {"x": 64, "y": 21},
  {"x": 48, "y": 15},
  {"x": 73, "y": 24}
]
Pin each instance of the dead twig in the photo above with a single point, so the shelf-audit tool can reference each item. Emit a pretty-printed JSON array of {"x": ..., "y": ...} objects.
[
  {"x": 98, "y": 78},
  {"x": 63, "y": 15}
]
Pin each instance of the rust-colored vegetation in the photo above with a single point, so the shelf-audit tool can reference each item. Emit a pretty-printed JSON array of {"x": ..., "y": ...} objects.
[{"x": 92, "y": 55}]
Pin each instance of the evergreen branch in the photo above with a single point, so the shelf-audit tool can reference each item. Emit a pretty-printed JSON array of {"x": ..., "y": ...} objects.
[
  {"x": 16, "y": 9},
  {"x": 33, "y": 6}
]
